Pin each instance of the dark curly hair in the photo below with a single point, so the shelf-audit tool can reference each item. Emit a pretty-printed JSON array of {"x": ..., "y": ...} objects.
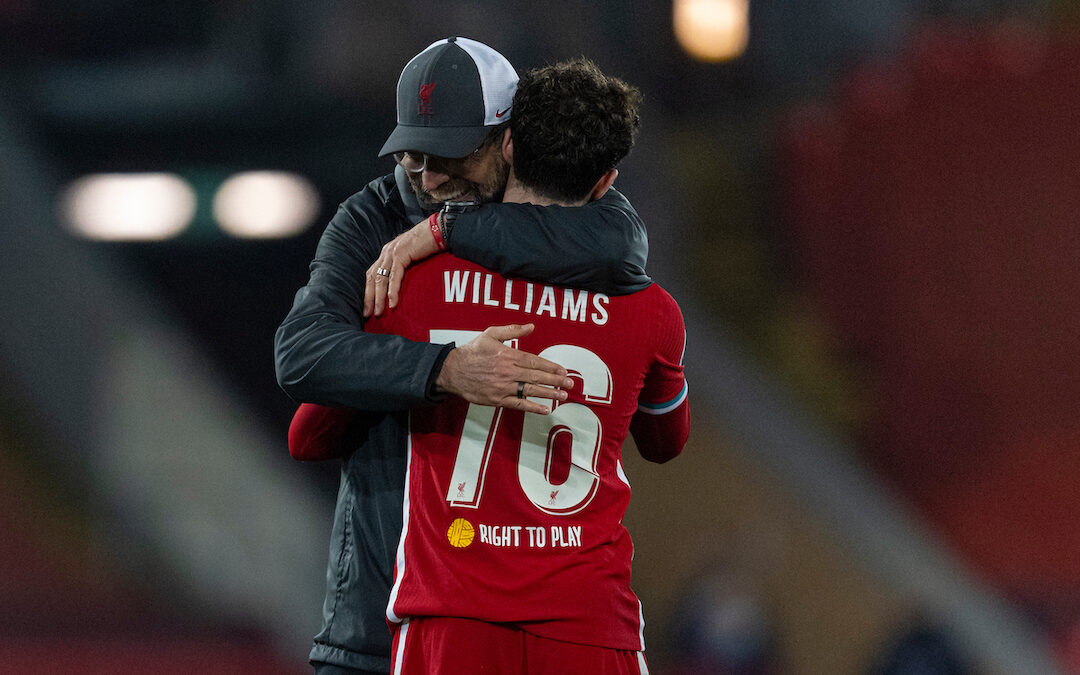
[{"x": 571, "y": 124}]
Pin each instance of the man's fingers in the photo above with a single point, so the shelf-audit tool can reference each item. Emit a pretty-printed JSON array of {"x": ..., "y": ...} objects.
[
  {"x": 544, "y": 378},
  {"x": 487, "y": 371},
  {"x": 529, "y": 394},
  {"x": 369, "y": 290},
  {"x": 393, "y": 289},
  {"x": 527, "y": 405},
  {"x": 530, "y": 406},
  {"x": 375, "y": 286},
  {"x": 381, "y": 285},
  {"x": 525, "y": 360},
  {"x": 510, "y": 332},
  {"x": 547, "y": 372},
  {"x": 539, "y": 391}
]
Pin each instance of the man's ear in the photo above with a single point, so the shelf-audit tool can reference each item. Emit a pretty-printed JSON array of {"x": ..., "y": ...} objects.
[
  {"x": 508, "y": 147},
  {"x": 602, "y": 185}
]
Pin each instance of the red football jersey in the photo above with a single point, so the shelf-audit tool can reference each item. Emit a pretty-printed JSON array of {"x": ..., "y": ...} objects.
[{"x": 517, "y": 518}]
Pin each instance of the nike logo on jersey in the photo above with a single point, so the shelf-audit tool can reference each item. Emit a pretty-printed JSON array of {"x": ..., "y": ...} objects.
[{"x": 500, "y": 113}]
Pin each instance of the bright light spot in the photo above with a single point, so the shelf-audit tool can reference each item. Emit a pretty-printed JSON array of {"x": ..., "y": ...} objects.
[
  {"x": 712, "y": 30},
  {"x": 266, "y": 204},
  {"x": 128, "y": 207}
]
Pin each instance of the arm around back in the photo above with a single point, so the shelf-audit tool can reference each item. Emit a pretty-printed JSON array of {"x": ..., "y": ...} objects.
[
  {"x": 601, "y": 246},
  {"x": 322, "y": 353}
]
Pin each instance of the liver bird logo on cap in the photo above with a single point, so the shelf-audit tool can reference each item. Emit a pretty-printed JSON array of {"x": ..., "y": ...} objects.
[{"x": 425, "y": 99}]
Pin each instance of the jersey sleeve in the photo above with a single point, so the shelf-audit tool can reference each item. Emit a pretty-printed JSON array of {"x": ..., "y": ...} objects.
[
  {"x": 322, "y": 352},
  {"x": 601, "y": 246},
  {"x": 661, "y": 424},
  {"x": 317, "y": 432}
]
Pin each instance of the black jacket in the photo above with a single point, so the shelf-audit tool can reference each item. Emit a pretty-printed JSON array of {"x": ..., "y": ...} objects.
[{"x": 324, "y": 356}]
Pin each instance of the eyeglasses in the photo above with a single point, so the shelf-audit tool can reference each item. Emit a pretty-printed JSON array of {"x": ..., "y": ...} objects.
[{"x": 417, "y": 162}]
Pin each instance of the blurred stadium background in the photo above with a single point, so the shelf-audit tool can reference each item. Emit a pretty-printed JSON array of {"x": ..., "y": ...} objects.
[{"x": 866, "y": 209}]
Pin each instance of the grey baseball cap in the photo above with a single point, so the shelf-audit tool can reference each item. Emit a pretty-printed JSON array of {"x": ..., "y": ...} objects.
[{"x": 449, "y": 96}]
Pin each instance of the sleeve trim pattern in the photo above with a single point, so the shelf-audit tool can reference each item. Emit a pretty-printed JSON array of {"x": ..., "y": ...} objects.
[{"x": 663, "y": 408}]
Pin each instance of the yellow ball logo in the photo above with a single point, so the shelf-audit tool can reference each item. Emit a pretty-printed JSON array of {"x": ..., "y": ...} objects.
[{"x": 461, "y": 533}]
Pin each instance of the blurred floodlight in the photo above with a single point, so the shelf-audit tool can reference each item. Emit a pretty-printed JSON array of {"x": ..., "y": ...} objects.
[
  {"x": 128, "y": 206},
  {"x": 266, "y": 204},
  {"x": 712, "y": 30}
]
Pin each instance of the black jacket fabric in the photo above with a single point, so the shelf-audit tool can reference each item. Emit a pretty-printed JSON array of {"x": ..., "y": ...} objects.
[{"x": 323, "y": 355}]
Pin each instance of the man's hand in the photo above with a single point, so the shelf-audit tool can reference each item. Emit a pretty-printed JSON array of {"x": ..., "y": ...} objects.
[
  {"x": 487, "y": 372},
  {"x": 400, "y": 252}
]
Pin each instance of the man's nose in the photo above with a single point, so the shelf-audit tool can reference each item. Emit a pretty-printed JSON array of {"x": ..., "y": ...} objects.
[{"x": 431, "y": 180}]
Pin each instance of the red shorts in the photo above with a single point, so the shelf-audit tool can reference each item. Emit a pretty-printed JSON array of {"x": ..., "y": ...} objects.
[{"x": 448, "y": 646}]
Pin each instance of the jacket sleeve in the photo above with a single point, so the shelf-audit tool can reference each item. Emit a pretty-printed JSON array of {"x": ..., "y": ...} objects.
[
  {"x": 321, "y": 352},
  {"x": 601, "y": 246}
]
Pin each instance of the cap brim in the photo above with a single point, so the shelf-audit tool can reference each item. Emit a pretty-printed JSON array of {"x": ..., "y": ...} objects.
[{"x": 448, "y": 142}]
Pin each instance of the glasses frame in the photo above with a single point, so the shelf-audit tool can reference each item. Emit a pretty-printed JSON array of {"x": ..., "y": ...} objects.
[{"x": 407, "y": 161}]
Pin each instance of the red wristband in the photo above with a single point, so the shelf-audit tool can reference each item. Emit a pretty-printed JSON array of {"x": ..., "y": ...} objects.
[{"x": 436, "y": 231}]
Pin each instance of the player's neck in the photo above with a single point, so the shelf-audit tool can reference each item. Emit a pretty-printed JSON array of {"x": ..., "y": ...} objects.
[
  {"x": 516, "y": 193},
  {"x": 528, "y": 197}
]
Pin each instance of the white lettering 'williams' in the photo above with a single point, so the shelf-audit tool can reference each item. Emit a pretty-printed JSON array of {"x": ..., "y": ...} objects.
[{"x": 482, "y": 288}]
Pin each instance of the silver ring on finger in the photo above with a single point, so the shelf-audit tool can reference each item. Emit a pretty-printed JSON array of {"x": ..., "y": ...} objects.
[
  {"x": 521, "y": 389},
  {"x": 383, "y": 272}
]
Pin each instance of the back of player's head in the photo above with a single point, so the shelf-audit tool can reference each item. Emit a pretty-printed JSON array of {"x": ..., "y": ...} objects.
[{"x": 571, "y": 125}]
